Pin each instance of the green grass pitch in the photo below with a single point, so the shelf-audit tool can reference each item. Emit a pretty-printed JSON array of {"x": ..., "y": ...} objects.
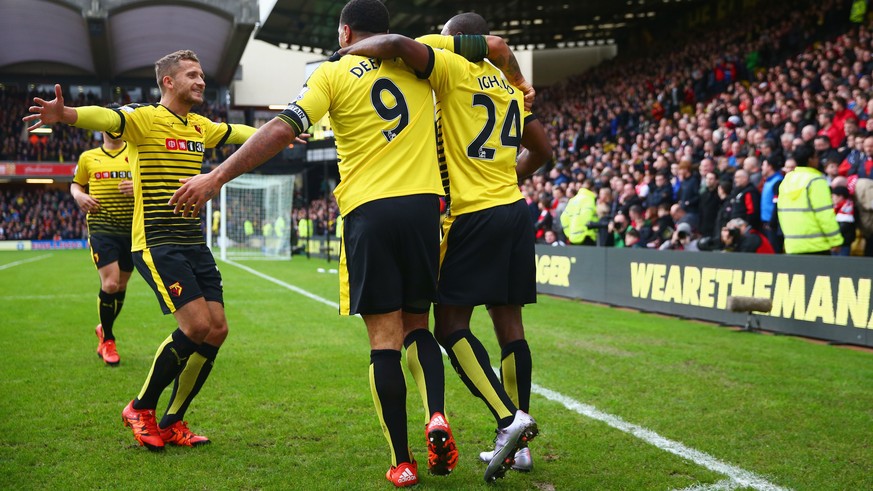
[{"x": 288, "y": 404}]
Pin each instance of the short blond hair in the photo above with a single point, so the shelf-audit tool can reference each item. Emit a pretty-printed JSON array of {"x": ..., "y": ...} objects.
[{"x": 167, "y": 65}]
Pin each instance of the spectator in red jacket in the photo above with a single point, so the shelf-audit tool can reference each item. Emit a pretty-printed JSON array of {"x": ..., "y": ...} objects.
[{"x": 746, "y": 200}]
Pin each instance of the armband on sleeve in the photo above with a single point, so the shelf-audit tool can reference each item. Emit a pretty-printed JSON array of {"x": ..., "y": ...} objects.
[
  {"x": 430, "y": 63},
  {"x": 473, "y": 47},
  {"x": 99, "y": 118},
  {"x": 295, "y": 117}
]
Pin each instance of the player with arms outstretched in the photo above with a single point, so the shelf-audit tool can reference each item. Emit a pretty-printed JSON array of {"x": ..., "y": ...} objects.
[{"x": 166, "y": 143}]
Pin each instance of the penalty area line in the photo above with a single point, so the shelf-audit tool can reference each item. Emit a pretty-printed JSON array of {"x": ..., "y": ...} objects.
[
  {"x": 734, "y": 473},
  {"x": 23, "y": 261}
]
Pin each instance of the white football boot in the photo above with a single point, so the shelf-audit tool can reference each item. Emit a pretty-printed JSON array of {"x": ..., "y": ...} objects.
[
  {"x": 507, "y": 443},
  {"x": 523, "y": 460}
]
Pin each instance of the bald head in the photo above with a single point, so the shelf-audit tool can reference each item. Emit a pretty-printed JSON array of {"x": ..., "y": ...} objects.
[
  {"x": 808, "y": 133},
  {"x": 466, "y": 23},
  {"x": 741, "y": 178}
]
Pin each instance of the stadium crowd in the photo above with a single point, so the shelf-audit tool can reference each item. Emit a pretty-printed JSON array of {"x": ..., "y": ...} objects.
[
  {"x": 66, "y": 143},
  {"x": 670, "y": 146},
  {"x": 675, "y": 145},
  {"x": 40, "y": 214}
]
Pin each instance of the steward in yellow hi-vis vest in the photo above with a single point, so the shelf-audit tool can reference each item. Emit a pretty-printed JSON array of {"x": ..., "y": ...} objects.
[
  {"x": 806, "y": 213},
  {"x": 580, "y": 210},
  {"x": 806, "y": 210}
]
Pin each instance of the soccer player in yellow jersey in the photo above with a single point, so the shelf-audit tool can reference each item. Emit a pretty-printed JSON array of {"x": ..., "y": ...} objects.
[
  {"x": 482, "y": 127},
  {"x": 166, "y": 142},
  {"x": 101, "y": 188}
]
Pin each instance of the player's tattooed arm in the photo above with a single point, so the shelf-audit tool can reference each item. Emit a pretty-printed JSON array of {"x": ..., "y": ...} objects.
[{"x": 502, "y": 57}]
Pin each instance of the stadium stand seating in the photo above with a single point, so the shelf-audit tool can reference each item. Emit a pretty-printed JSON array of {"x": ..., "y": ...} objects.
[{"x": 715, "y": 93}]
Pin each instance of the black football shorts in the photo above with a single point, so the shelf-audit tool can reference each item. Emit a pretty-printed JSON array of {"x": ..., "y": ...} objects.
[
  {"x": 180, "y": 274},
  {"x": 488, "y": 258},
  {"x": 107, "y": 249},
  {"x": 390, "y": 255}
]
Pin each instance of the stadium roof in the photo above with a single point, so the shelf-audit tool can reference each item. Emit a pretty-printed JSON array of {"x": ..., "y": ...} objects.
[
  {"x": 535, "y": 24},
  {"x": 122, "y": 38}
]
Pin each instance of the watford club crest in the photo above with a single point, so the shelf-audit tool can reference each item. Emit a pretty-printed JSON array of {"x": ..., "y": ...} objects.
[
  {"x": 197, "y": 127},
  {"x": 96, "y": 258},
  {"x": 175, "y": 289}
]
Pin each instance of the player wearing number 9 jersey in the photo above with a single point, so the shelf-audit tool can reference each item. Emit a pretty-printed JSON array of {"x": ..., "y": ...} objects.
[{"x": 382, "y": 115}]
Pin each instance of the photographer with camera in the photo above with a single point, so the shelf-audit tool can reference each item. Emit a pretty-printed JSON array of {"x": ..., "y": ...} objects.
[
  {"x": 739, "y": 236},
  {"x": 618, "y": 228},
  {"x": 683, "y": 239}
]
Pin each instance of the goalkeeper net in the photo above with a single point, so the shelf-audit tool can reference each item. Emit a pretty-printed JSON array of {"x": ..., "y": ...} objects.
[{"x": 251, "y": 219}]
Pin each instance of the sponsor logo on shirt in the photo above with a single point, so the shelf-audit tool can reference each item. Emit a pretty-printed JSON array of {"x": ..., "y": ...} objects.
[
  {"x": 113, "y": 175},
  {"x": 180, "y": 145}
]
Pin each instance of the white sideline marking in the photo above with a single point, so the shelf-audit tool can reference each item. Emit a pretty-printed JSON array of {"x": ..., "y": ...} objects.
[
  {"x": 725, "y": 485},
  {"x": 23, "y": 261},
  {"x": 736, "y": 476}
]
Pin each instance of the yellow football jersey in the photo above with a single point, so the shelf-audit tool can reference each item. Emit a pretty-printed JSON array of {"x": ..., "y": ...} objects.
[
  {"x": 101, "y": 171},
  {"x": 473, "y": 48},
  {"x": 382, "y": 116},
  {"x": 164, "y": 148},
  {"x": 482, "y": 121}
]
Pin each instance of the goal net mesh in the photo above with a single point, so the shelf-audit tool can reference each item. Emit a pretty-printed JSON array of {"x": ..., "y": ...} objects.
[{"x": 251, "y": 219}]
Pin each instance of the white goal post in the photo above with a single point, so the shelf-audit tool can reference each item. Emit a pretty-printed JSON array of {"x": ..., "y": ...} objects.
[{"x": 251, "y": 219}]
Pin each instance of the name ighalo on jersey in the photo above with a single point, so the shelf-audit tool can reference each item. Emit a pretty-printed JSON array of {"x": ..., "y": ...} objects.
[{"x": 493, "y": 81}]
